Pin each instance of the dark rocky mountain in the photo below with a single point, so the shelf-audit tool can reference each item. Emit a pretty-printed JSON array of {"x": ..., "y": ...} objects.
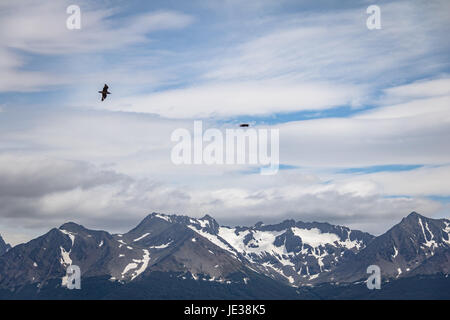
[
  {"x": 178, "y": 257},
  {"x": 156, "y": 244},
  {"x": 416, "y": 246},
  {"x": 48, "y": 256},
  {"x": 3, "y": 246}
]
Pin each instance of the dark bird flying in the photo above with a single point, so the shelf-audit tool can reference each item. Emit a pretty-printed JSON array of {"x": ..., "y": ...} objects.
[
  {"x": 244, "y": 125},
  {"x": 104, "y": 92}
]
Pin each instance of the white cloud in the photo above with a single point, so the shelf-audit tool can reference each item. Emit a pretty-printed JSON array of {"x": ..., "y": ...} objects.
[
  {"x": 120, "y": 167},
  {"x": 335, "y": 45},
  {"x": 416, "y": 132},
  {"x": 101, "y": 198},
  {"x": 42, "y": 28},
  {"x": 420, "y": 182},
  {"x": 309, "y": 61},
  {"x": 433, "y": 107},
  {"x": 27, "y": 27},
  {"x": 232, "y": 99},
  {"x": 419, "y": 89}
]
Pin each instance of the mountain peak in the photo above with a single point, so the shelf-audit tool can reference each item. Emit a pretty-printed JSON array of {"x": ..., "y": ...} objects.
[
  {"x": 3, "y": 246},
  {"x": 414, "y": 215},
  {"x": 259, "y": 224},
  {"x": 149, "y": 222},
  {"x": 207, "y": 217},
  {"x": 151, "y": 216},
  {"x": 72, "y": 226}
]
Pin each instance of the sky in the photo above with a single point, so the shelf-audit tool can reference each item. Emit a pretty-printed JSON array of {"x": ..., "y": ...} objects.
[{"x": 363, "y": 115}]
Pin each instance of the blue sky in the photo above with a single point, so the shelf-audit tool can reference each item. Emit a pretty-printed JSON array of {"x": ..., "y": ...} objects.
[{"x": 363, "y": 114}]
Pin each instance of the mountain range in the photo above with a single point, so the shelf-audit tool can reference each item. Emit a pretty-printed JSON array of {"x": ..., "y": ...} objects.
[{"x": 179, "y": 257}]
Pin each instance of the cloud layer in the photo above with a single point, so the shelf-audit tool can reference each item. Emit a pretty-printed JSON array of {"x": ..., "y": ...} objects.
[{"x": 66, "y": 156}]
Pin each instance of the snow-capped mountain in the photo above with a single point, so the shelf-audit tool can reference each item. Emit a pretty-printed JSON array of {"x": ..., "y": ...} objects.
[
  {"x": 290, "y": 252},
  {"x": 48, "y": 256},
  {"x": 3, "y": 246},
  {"x": 416, "y": 246},
  {"x": 259, "y": 261},
  {"x": 170, "y": 244},
  {"x": 156, "y": 244},
  {"x": 294, "y": 252}
]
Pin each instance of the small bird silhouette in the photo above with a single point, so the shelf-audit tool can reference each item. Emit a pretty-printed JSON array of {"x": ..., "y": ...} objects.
[
  {"x": 104, "y": 92},
  {"x": 244, "y": 125}
]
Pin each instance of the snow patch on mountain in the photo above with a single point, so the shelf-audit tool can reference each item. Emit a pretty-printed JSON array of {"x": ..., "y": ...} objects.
[
  {"x": 164, "y": 217},
  {"x": 395, "y": 253},
  {"x": 262, "y": 240},
  {"x": 65, "y": 257},
  {"x": 162, "y": 246},
  {"x": 430, "y": 243},
  {"x": 447, "y": 230},
  {"x": 135, "y": 264},
  {"x": 314, "y": 237},
  {"x": 129, "y": 267},
  {"x": 70, "y": 234},
  {"x": 214, "y": 239},
  {"x": 141, "y": 237},
  {"x": 145, "y": 260},
  {"x": 203, "y": 223}
]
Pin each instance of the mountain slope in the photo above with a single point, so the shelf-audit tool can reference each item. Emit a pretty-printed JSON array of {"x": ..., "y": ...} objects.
[
  {"x": 173, "y": 246},
  {"x": 297, "y": 251},
  {"x": 3, "y": 246},
  {"x": 291, "y": 252},
  {"x": 48, "y": 256},
  {"x": 155, "y": 245},
  {"x": 417, "y": 245},
  {"x": 170, "y": 256}
]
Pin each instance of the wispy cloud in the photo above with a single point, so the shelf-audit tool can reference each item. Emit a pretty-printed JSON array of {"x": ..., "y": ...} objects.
[
  {"x": 308, "y": 61},
  {"x": 31, "y": 33},
  {"x": 233, "y": 99},
  {"x": 43, "y": 29}
]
